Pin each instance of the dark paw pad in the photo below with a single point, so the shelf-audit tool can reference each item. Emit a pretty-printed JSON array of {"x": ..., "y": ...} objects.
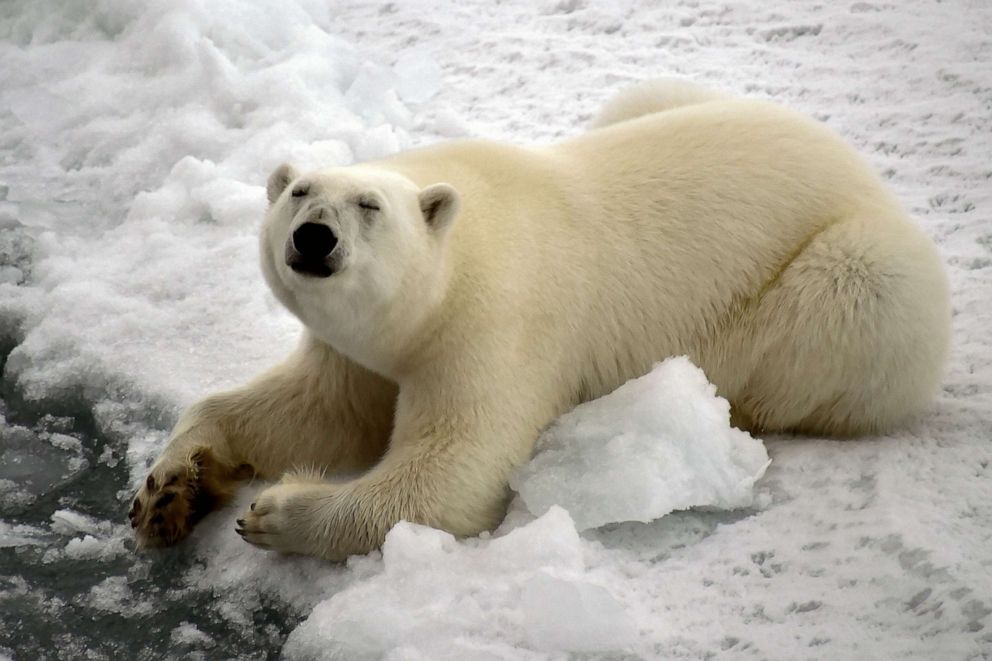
[{"x": 164, "y": 511}]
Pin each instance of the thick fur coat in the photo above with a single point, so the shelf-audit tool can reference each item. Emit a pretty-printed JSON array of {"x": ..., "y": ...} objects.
[{"x": 463, "y": 296}]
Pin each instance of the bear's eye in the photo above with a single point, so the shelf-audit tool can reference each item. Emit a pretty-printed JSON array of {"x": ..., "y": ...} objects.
[
  {"x": 301, "y": 191},
  {"x": 368, "y": 204}
]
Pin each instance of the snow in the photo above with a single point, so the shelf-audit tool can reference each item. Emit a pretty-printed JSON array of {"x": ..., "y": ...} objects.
[
  {"x": 435, "y": 596},
  {"x": 68, "y": 522},
  {"x": 135, "y": 139},
  {"x": 659, "y": 443},
  {"x": 188, "y": 634},
  {"x": 114, "y": 595},
  {"x": 418, "y": 76},
  {"x": 574, "y": 616}
]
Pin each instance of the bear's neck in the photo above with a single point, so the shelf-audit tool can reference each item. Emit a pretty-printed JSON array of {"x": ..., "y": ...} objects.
[{"x": 387, "y": 339}]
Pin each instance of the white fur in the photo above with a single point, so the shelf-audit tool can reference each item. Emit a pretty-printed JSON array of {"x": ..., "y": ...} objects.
[
  {"x": 653, "y": 96},
  {"x": 737, "y": 232}
]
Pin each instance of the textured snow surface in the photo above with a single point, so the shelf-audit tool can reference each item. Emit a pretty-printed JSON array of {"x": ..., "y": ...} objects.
[
  {"x": 659, "y": 443},
  {"x": 135, "y": 138}
]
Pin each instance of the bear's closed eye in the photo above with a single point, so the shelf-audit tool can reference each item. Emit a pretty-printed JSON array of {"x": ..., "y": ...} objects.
[
  {"x": 369, "y": 205},
  {"x": 301, "y": 191}
]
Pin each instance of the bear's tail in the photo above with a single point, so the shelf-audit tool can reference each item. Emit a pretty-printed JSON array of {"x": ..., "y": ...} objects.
[{"x": 653, "y": 96}]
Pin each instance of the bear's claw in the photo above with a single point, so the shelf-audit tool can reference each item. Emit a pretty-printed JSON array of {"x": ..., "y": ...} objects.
[{"x": 265, "y": 524}]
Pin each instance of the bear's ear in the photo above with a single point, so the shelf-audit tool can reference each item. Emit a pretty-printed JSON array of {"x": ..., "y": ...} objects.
[
  {"x": 278, "y": 181},
  {"x": 439, "y": 204}
]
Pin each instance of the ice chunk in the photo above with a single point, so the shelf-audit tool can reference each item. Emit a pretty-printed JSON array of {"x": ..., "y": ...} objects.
[
  {"x": 65, "y": 442},
  {"x": 188, "y": 634},
  {"x": 550, "y": 541},
  {"x": 13, "y": 498},
  {"x": 528, "y": 589},
  {"x": 68, "y": 522},
  {"x": 573, "y": 616},
  {"x": 89, "y": 547},
  {"x": 20, "y": 535},
  {"x": 114, "y": 595},
  {"x": 368, "y": 86},
  {"x": 92, "y": 539},
  {"x": 659, "y": 443},
  {"x": 373, "y": 95},
  {"x": 418, "y": 76},
  {"x": 378, "y": 142},
  {"x": 108, "y": 457},
  {"x": 83, "y": 548}
]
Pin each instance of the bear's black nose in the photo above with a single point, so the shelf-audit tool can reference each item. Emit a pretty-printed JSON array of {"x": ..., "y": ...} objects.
[{"x": 314, "y": 240}]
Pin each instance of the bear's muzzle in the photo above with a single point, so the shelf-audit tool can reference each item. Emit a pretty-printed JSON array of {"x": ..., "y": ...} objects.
[{"x": 309, "y": 248}]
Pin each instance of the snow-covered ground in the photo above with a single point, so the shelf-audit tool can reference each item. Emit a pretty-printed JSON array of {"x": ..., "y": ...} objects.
[{"x": 134, "y": 141}]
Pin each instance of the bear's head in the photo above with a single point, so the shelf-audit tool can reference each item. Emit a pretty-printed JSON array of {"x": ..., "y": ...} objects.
[{"x": 358, "y": 254}]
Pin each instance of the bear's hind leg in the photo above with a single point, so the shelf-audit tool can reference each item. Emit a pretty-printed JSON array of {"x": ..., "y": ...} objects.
[{"x": 853, "y": 335}]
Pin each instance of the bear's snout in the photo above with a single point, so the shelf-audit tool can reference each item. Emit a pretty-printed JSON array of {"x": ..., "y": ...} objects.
[
  {"x": 314, "y": 240},
  {"x": 309, "y": 248}
]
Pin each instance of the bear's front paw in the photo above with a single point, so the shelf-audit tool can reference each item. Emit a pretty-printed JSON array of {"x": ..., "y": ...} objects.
[
  {"x": 312, "y": 518},
  {"x": 177, "y": 494},
  {"x": 163, "y": 511},
  {"x": 281, "y": 518}
]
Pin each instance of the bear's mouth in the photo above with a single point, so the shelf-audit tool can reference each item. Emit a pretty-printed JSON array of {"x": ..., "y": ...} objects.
[{"x": 318, "y": 269}]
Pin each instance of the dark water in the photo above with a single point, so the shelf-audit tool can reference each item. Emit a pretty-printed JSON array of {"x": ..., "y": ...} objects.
[
  {"x": 54, "y": 457},
  {"x": 46, "y": 609}
]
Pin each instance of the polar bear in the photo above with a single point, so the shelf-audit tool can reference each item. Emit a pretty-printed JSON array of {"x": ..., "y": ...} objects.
[{"x": 458, "y": 298}]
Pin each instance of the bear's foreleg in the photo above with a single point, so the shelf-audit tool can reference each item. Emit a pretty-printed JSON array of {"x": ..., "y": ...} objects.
[
  {"x": 317, "y": 410},
  {"x": 448, "y": 466}
]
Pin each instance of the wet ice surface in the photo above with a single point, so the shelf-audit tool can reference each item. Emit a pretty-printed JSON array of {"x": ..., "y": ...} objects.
[
  {"x": 134, "y": 142},
  {"x": 70, "y": 583}
]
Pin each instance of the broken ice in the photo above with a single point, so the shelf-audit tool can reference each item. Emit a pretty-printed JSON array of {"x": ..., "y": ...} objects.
[{"x": 659, "y": 443}]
